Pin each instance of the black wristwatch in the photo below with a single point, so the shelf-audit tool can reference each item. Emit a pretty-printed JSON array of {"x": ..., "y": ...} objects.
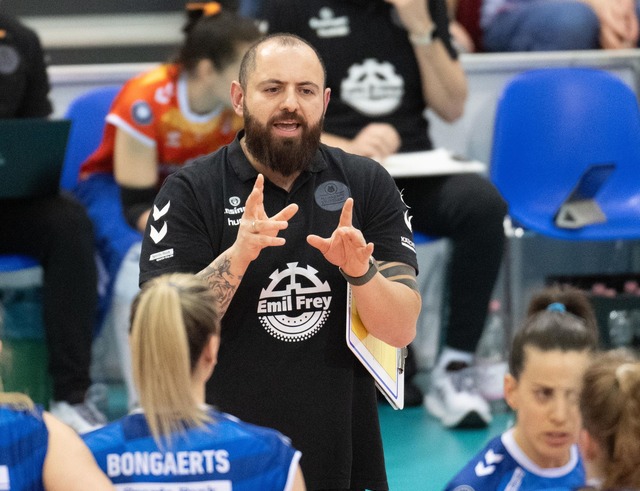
[{"x": 361, "y": 280}]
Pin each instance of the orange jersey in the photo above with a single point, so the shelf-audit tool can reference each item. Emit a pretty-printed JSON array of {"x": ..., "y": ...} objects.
[{"x": 153, "y": 108}]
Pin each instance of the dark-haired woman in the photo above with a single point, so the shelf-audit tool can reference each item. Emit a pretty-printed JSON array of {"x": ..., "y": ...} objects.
[{"x": 158, "y": 122}]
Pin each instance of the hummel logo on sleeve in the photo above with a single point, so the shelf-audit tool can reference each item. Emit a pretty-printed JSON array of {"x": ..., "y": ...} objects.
[
  {"x": 160, "y": 213},
  {"x": 156, "y": 235},
  {"x": 490, "y": 458},
  {"x": 493, "y": 458}
]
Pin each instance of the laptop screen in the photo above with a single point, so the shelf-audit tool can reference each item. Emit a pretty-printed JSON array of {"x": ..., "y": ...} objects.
[{"x": 32, "y": 153}]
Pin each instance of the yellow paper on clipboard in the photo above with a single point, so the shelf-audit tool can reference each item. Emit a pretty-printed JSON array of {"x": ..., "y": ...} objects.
[{"x": 384, "y": 362}]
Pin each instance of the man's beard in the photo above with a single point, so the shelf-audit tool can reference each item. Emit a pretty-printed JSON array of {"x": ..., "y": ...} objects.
[{"x": 285, "y": 156}]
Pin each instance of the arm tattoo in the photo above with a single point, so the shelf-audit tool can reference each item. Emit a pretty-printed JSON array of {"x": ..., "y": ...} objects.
[
  {"x": 399, "y": 272},
  {"x": 220, "y": 279}
]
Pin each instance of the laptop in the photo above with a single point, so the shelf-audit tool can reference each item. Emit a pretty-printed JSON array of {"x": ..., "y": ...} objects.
[{"x": 32, "y": 153}]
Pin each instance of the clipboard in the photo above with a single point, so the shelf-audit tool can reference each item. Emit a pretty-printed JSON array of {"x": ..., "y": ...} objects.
[
  {"x": 436, "y": 162},
  {"x": 384, "y": 362}
]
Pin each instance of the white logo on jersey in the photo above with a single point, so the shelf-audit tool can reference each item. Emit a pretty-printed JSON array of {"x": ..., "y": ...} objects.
[
  {"x": 372, "y": 88},
  {"x": 329, "y": 26},
  {"x": 407, "y": 219},
  {"x": 293, "y": 307},
  {"x": 155, "y": 234},
  {"x": 158, "y": 235},
  {"x": 484, "y": 470},
  {"x": 163, "y": 94},
  {"x": 493, "y": 458},
  {"x": 173, "y": 139},
  {"x": 490, "y": 458},
  {"x": 162, "y": 255},
  {"x": 160, "y": 213},
  {"x": 236, "y": 210}
]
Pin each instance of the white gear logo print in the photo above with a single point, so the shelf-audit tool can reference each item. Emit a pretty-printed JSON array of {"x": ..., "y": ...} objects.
[
  {"x": 293, "y": 306},
  {"x": 372, "y": 88}
]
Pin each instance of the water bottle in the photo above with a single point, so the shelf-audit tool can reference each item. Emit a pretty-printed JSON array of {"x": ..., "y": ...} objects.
[
  {"x": 620, "y": 329},
  {"x": 491, "y": 358}
]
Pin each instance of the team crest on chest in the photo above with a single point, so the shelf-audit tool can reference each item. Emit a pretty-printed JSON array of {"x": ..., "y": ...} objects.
[{"x": 296, "y": 303}]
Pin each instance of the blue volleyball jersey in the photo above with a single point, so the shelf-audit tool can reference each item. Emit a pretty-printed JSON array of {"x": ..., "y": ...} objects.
[
  {"x": 222, "y": 455},
  {"x": 503, "y": 466},
  {"x": 23, "y": 448}
]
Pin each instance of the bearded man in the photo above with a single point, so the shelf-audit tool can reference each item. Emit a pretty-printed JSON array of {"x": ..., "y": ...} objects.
[{"x": 276, "y": 222}]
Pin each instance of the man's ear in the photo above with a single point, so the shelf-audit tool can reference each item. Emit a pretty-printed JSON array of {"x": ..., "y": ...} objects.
[
  {"x": 511, "y": 391},
  {"x": 237, "y": 98}
]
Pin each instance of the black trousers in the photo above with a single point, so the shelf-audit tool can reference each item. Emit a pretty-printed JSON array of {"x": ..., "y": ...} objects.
[
  {"x": 59, "y": 234},
  {"x": 469, "y": 210}
]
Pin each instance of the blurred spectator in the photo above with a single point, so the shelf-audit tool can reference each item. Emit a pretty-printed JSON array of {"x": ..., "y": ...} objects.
[
  {"x": 56, "y": 231},
  {"x": 158, "y": 122},
  {"x": 548, "y": 25},
  {"x": 387, "y": 60}
]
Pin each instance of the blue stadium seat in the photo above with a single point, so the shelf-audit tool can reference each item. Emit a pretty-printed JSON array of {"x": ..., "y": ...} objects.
[{"x": 553, "y": 124}]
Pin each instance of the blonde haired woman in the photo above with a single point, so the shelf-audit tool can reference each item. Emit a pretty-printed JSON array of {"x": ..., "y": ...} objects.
[
  {"x": 39, "y": 452},
  {"x": 176, "y": 438},
  {"x": 610, "y": 407}
]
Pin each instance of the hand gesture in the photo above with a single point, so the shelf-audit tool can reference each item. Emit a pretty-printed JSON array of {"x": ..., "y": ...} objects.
[
  {"x": 376, "y": 140},
  {"x": 346, "y": 248},
  {"x": 257, "y": 230}
]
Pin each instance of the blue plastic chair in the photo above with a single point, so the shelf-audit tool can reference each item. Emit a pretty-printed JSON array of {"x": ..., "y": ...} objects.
[
  {"x": 87, "y": 113},
  {"x": 551, "y": 126}
]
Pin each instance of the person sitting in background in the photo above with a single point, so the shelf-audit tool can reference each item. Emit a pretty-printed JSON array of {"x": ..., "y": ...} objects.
[
  {"x": 387, "y": 60},
  {"x": 548, "y": 25},
  {"x": 57, "y": 232},
  {"x": 158, "y": 122},
  {"x": 548, "y": 358},
  {"x": 610, "y": 407},
  {"x": 175, "y": 335},
  {"x": 39, "y": 452}
]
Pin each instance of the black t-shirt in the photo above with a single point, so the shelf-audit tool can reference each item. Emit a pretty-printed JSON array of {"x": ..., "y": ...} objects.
[
  {"x": 283, "y": 360},
  {"x": 24, "y": 86},
  {"x": 371, "y": 66}
]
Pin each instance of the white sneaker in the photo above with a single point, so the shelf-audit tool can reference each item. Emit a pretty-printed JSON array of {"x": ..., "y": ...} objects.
[
  {"x": 454, "y": 399},
  {"x": 82, "y": 417}
]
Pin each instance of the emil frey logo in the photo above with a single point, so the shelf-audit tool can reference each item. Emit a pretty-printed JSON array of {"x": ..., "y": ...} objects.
[{"x": 296, "y": 303}]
